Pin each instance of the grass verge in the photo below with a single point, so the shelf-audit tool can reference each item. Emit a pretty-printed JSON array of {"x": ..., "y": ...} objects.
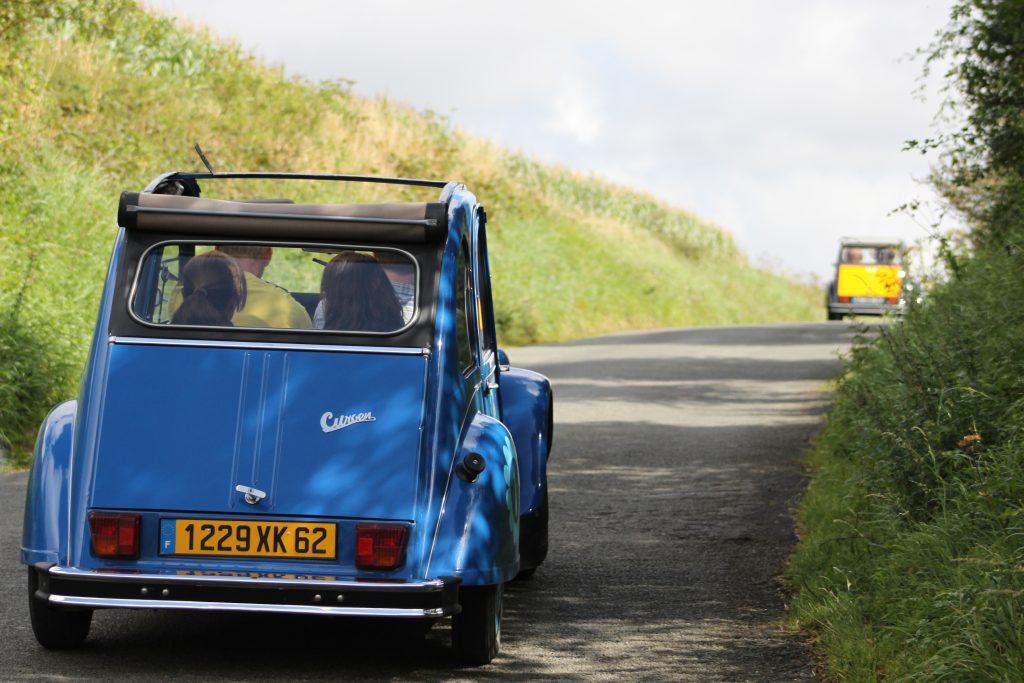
[{"x": 911, "y": 560}]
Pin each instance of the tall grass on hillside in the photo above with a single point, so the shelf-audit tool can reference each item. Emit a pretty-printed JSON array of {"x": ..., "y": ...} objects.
[
  {"x": 54, "y": 243},
  {"x": 912, "y": 560},
  {"x": 98, "y": 96}
]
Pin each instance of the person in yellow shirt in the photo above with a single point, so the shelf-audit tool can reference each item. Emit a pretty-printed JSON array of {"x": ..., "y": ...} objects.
[{"x": 266, "y": 304}]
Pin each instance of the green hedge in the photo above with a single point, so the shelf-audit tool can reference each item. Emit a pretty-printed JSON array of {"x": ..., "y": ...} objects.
[{"x": 911, "y": 564}]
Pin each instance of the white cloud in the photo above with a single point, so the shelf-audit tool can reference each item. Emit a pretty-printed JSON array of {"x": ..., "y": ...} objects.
[{"x": 575, "y": 116}]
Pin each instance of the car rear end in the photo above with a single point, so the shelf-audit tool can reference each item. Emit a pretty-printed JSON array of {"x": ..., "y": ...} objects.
[
  {"x": 239, "y": 468},
  {"x": 215, "y": 484},
  {"x": 869, "y": 280}
]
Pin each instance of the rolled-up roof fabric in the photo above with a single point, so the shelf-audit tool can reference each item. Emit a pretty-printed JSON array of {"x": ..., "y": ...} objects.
[{"x": 415, "y": 222}]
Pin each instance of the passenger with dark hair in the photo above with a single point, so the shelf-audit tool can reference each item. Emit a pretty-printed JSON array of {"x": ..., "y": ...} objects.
[
  {"x": 213, "y": 290},
  {"x": 402, "y": 273},
  {"x": 357, "y": 295}
]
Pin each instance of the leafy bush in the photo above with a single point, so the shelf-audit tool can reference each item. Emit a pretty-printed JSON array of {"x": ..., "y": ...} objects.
[
  {"x": 911, "y": 559},
  {"x": 913, "y": 529},
  {"x": 51, "y": 229}
]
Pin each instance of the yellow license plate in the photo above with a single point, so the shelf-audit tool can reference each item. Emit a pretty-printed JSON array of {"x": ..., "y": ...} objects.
[
  {"x": 248, "y": 538},
  {"x": 870, "y": 281}
]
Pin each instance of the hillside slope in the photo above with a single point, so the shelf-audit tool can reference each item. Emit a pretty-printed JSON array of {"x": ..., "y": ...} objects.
[{"x": 97, "y": 96}]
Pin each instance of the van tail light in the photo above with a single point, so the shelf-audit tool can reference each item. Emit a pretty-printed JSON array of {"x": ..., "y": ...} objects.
[
  {"x": 380, "y": 546},
  {"x": 893, "y": 300},
  {"x": 115, "y": 534},
  {"x": 844, "y": 299}
]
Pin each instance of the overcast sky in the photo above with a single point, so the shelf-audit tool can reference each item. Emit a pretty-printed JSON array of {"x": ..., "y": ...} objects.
[{"x": 781, "y": 121}]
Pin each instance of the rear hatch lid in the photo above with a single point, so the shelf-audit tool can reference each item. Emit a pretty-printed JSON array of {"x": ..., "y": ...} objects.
[{"x": 322, "y": 433}]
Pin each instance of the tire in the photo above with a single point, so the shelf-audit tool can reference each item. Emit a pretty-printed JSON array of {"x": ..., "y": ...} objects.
[
  {"x": 525, "y": 574},
  {"x": 832, "y": 298},
  {"x": 533, "y": 531},
  {"x": 533, "y": 541},
  {"x": 476, "y": 630},
  {"x": 56, "y": 628}
]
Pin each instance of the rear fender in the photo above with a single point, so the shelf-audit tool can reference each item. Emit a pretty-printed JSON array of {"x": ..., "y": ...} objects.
[
  {"x": 526, "y": 409},
  {"x": 46, "y": 502},
  {"x": 477, "y": 533}
]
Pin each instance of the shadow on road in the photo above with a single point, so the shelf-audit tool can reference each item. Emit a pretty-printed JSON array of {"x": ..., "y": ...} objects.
[
  {"x": 795, "y": 334},
  {"x": 638, "y": 369}
]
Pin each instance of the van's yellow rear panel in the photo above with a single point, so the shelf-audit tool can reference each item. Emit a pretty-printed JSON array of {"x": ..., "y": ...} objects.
[{"x": 857, "y": 280}]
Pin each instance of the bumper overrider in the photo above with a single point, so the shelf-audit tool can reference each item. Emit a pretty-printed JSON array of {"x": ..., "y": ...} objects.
[
  {"x": 866, "y": 309},
  {"x": 69, "y": 587}
]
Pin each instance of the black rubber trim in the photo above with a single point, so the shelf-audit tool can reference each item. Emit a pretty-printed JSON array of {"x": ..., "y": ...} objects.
[
  {"x": 420, "y": 182},
  {"x": 125, "y": 218},
  {"x": 420, "y": 334}
]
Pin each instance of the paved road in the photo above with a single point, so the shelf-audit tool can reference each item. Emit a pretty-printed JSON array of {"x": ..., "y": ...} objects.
[{"x": 674, "y": 473}]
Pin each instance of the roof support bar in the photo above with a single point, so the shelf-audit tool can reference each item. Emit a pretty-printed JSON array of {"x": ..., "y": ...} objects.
[{"x": 312, "y": 176}]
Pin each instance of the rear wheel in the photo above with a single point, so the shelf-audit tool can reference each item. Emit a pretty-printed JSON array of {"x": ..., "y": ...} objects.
[
  {"x": 533, "y": 540},
  {"x": 56, "y": 628},
  {"x": 476, "y": 630},
  {"x": 835, "y": 316},
  {"x": 525, "y": 574}
]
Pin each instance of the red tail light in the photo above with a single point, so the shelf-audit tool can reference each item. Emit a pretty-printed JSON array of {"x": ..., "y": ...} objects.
[
  {"x": 844, "y": 299},
  {"x": 115, "y": 534},
  {"x": 893, "y": 300},
  {"x": 380, "y": 546}
]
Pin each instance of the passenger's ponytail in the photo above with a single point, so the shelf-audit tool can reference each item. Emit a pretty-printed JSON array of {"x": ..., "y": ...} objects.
[{"x": 213, "y": 288}]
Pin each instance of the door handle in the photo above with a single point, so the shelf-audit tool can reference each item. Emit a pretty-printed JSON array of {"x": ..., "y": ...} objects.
[{"x": 252, "y": 496}]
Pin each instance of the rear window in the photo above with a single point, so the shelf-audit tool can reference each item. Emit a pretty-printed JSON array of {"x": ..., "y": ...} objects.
[
  {"x": 870, "y": 256},
  {"x": 259, "y": 286}
]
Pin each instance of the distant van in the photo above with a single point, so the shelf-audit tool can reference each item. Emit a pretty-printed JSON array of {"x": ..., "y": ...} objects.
[{"x": 869, "y": 278}]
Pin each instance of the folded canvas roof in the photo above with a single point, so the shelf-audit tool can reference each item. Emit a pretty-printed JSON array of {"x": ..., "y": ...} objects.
[{"x": 414, "y": 222}]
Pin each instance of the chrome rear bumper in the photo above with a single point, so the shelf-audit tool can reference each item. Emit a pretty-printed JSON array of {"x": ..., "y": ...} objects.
[
  {"x": 866, "y": 309},
  {"x": 90, "y": 589}
]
